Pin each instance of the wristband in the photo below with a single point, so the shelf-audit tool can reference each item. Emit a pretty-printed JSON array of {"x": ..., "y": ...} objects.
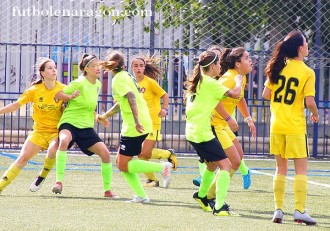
[
  {"x": 228, "y": 118},
  {"x": 165, "y": 109},
  {"x": 247, "y": 119}
]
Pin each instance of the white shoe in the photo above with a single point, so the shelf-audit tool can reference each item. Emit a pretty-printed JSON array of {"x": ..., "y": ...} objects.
[
  {"x": 278, "y": 216},
  {"x": 137, "y": 199},
  {"x": 36, "y": 185},
  {"x": 303, "y": 218},
  {"x": 166, "y": 174}
]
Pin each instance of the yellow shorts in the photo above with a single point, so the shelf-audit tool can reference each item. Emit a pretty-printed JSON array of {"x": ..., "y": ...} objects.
[
  {"x": 155, "y": 135},
  {"x": 42, "y": 139},
  {"x": 225, "y": 135},
  {"x": 289, "y": 146}
]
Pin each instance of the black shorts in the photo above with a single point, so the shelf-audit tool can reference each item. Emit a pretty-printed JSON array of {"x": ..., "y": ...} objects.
[
  {"x": 84, "y": 137},
  {"x": 131, "y": 146},
  {"x": 210, "y": 151}
]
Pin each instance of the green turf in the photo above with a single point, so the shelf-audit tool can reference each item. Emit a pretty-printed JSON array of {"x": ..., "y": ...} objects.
[{"x": 82, "y": 206}]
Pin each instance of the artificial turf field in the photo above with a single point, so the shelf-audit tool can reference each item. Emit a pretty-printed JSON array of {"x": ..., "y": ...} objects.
[{"x": 81, "y": 205}]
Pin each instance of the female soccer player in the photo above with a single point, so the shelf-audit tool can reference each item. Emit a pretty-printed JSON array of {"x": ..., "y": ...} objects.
[
  {"x": 198, "y": 129},
  {"x": 77, "y": 124},
  {"x": 290, "y": 83},
  {"x": 135, "y": 127},
  {"x": 146, "y": 73},
  {"x": 47, "y": 110},
  {"x": 233, "y": 62}
]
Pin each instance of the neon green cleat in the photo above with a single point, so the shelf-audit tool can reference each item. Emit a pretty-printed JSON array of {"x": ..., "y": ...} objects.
[{"x": 203, "y": 202}]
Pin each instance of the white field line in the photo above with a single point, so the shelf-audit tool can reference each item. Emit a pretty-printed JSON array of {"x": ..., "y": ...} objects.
[{"x": 291, "y": 178}]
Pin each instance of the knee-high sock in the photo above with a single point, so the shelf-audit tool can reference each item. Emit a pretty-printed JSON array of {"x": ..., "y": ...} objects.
[
  {"x": 223, "y": 182},
  {"x": 60, "y": 165},
  {"x": 160, "y": 154},
  {"x": 201, "y": 167},
  {"x": 135, "y": 184},
  {"x": 106, "y": 170},
  {"x": 142, "y": 166},
  {"x": 206, "y": 182},
  {"x": 9, "y": 176},
  {"x": 279, "y": 190},
  {"x": 300, "y": 192},
  {"x": 48, "y": 165},
  {"x": 243, "y": 168},
  {"x": 212, "y": 191},
  {"x": 149, "y": 175}
]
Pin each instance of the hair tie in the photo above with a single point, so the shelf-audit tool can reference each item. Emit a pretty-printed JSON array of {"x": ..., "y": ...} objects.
[{"x": 215, "y": 57}]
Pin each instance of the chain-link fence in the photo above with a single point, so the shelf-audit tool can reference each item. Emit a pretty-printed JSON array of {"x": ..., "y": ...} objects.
[{"x": 176, "y": 30}]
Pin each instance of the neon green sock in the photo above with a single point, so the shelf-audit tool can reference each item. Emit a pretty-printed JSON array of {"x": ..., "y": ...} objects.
[
  {"x": 142, "y": 166},
  {"x": 201, "y": 167},
  {"x": 135, "y": 183},
  {"x": 60, "y": 165},
  {"x": 48, "y": 165},
  {"x": 207, "y": 179},
  {"x": 106, "y": 170},
  {"x": 222, "y": 188},
  {"x": 242, "y": 168}
]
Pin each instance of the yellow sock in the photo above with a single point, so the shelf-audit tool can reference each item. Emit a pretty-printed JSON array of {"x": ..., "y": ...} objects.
[
  {"x": 232, "y": 172},
  {"x": 212, "y": 191},
  {"x": 9, "y": 176},
  {"x": 279, "y": 189},
  {"x": 160, "y": 154},
  {"x": 48, "y": 165},
  {"x": 300, "y": 192}
]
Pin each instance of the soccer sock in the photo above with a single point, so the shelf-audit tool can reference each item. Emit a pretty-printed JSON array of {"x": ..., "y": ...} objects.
[
  {"x": 106, "y": 170},
  {"x": 223, "y": 182},
  {"x": 9, "y": 176},
  {"x": 300, "y": 192},
  {"x": 211, "y": 194},
  {"x": 160, "y": 154},
  {"x": 232, "y": 172},
  {"x": 201, "y": 167},
  {"x": 135, "y": 184},
  {"x": 149, "y": 175},
  {"x": 48, "y": 165},
  {"x": 60, "y": 165},
  {"x": 279, "y": 189},
  {"x": 142, "y": 166},
  {"x": 206, "y": 182},
  {"x": 242, "y": 168}
]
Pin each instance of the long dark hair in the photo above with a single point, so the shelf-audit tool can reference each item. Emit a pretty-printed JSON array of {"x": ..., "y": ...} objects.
[
  {"x": 40, "y": 66},
  {"x": 206, "y": 58},
  {"x": 151, "y": 68},
  {"x": 287, "y": 48},
  {"x": 230, "y": 57}
]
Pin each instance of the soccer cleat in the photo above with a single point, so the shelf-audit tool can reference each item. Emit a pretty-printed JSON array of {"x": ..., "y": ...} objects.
[
  {"x": 172, "y": 159},
  {"x": 247, "y": 180},
  {"x": 211, "y": 202},
  {"x": 152, "y": 183},
  {"x": 303, "y": 218},
  {"x": 203, "y": 202},
  {"x": 36, "y": 185},
  {"x": 109, "y": 194},
  {"x": 137, "y": 199},
  {"x": 197, "y": 181},
  {"x": 166, "y": 174},
  {"x": 57, "y": 188},
  {"x": 278, "y": 216},
  {"x": 224, "y": 211}
]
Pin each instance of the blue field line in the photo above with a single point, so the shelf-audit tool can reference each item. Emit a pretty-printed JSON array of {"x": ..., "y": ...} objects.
[{"x": 13, "y": 156}]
